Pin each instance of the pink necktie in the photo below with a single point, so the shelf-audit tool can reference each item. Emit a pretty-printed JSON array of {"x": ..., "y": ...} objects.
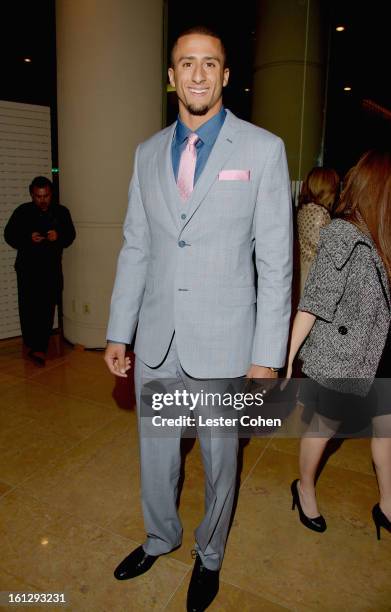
[{"x": 187, "y": 166}]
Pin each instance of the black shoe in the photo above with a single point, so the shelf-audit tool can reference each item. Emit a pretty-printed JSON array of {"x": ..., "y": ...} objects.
[
  {"x": 380, "y": 520},
  {"x": 135, "y": 564},
  {"x": 316, "y": 524},
  {"x": 203, "y": 587},
  {"x": 37, "y": 357}
]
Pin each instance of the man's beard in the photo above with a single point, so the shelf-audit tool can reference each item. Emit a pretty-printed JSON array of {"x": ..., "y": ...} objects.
[{"x": 198, "y": 111}]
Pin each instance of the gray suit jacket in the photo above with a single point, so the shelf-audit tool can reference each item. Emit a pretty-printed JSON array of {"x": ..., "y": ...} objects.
[
  {"x": 348, "y": 290},
  {"x": 195, "y": 275}
]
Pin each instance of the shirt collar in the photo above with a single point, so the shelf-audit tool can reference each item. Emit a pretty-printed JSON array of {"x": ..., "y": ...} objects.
[{"x": 207, "y": 132}]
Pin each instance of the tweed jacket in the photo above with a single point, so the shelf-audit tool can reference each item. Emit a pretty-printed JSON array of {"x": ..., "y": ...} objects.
[{"x": 348, "y": 291}]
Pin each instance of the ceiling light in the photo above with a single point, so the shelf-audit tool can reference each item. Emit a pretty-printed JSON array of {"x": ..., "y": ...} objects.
[
  {"x": 247, "y": 89},
  {"x": 347, "y": 88},
  {"x": 27, "y": 60},
  {"x": 340, "y": 28}
]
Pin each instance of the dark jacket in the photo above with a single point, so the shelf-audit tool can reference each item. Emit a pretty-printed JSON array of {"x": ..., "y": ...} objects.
[
  {"x": 43, "y": 256},
  {"x": 348, "y": 291}
]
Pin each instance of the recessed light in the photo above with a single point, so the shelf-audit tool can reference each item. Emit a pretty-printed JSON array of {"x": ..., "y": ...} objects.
[
  {"x": 347, "y": 88},
  {"x": 27, "y": 60},
  {"x": 340, "y": 28},
  {"x": 247, "y": 89}
]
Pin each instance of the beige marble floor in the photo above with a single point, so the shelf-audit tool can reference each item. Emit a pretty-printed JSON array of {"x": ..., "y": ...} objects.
[{"x": 70, "y": 507}]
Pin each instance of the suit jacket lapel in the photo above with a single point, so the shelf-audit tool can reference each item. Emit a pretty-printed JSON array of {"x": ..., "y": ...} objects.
[
  {"x": 166, "y": 175},
  {"x": 223, "y": 148}
]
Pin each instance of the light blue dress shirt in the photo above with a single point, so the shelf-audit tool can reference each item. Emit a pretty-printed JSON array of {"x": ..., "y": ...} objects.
[{"x": 207, "y": 134}]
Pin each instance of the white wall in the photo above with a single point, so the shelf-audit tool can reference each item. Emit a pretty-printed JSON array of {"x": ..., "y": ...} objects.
[{"x": 25, "y": 152}]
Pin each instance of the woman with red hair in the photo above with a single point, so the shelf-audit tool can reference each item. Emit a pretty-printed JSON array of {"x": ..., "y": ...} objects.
[{"x": 342, "y": 326}]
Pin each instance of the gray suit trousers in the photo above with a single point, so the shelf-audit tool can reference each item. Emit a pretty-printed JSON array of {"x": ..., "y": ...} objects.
[{"x": 160, "y": 469}]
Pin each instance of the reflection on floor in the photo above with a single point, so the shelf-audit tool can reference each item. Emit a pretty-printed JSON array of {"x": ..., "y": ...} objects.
[{"x": 70, "y": 507}]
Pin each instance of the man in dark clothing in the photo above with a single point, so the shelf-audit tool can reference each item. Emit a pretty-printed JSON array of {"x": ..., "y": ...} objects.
[{"x": 39, "y": 230}]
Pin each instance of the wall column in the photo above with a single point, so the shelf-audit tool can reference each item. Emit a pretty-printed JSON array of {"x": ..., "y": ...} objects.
[
  {"x": 288, "y": 86},
  {"x": 109, "y": 72}
]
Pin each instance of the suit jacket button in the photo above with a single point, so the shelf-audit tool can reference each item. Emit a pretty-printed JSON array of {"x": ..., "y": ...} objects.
[
  {"x": 342, "y": 330},
  {"x": 181, "y": 243}
]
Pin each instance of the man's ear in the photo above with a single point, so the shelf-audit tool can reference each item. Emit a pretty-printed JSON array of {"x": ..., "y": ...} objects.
[
  {"x": 171, "y": 77},
  {"x": 225, "y": 77}
]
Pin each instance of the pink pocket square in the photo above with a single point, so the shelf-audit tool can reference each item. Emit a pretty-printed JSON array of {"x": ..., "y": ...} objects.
[{"x": 234, "y": 175}]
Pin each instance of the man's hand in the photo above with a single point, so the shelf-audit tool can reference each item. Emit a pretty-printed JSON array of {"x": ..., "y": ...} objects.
[
  {"x": 36, "y": 237},
  {"x": 257, "y": 374},
  {"x": 258, "y": 371},
  {"x": 115, "y": 359},
  {"x": 52, "y": 235}
]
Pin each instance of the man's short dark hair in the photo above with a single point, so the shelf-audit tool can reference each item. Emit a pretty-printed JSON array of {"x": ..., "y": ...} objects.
[
  {"x": 40, "y": 182},
  {"x": 205, "y": 31}
]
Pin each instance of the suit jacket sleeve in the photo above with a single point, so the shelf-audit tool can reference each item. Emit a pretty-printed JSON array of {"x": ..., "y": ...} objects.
[
  {"x": 273, "y": 251},
  {"x": 17, "y": 232},
  {"x": 131, "y": 268}
]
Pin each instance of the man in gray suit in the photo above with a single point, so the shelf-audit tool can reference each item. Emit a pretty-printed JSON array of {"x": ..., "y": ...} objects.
[{"x": 205, "y": 193}]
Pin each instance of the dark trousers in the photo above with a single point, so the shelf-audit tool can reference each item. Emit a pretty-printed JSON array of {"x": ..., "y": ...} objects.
[{"x": 37, "y": 298}]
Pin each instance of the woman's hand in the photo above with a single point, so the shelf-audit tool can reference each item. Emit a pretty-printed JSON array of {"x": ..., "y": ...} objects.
[
  {"x": 288, "y": 373},
  {"x": 287, "y": 377}
]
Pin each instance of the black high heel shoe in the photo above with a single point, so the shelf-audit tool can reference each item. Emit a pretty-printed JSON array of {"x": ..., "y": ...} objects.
[
  {"x": 316, "y": 524},
  {"x": 380, "y": 520}
]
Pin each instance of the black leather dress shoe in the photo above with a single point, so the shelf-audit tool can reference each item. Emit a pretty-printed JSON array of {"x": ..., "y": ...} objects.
[
  {"x": 37, "y": 357},
  {"x": 203, "y": 587},
  {"x": 135, "y": 564}
]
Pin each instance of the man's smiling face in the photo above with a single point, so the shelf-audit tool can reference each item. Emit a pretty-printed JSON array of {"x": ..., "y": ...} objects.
[{"x": 198, "y": 75}]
